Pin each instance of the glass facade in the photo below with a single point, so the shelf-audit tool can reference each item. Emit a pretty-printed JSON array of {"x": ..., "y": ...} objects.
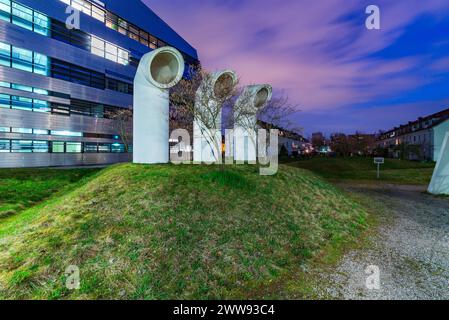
[
  {"x": 32, "y": 20},
  {"x": 42, "y": 146},
  {"x": 91, "y": 86},
  {"x": 22, "y": 59},
  {"x": 24, "y": 17}
]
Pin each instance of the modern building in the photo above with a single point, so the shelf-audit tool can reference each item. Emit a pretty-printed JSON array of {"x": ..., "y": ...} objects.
[
  {"x": 421, "y": 139},
  {"x": 60, "y": 86}
]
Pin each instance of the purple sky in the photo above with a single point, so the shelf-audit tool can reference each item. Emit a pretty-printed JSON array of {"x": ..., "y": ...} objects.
[{"x": 343, "y": 76}]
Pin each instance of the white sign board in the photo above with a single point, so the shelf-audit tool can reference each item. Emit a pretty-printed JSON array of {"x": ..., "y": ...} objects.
[{"x": 379, "y": 160}]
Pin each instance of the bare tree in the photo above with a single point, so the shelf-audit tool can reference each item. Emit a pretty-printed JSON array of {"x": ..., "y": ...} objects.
[
  {"x": 201, "y": 97},
  {"x": 122, "y": 122},
  {"x": 278, "y": 113}
]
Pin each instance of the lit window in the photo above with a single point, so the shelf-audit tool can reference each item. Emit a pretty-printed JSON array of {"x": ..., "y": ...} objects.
[
  {"x": 41, "y": 106},
  {"x": 117, "y": 148},
  {"x": 22, "y": 59},
  {"x": 21, "y": 103},
  {"x": 104, "y": 148},
  {"x": 123, "y": 56},
  {"x": 22, "y": 146},
  {"x": 41, "y": 24},
  {"x": 5, "y": 145},
  {"x": 5, "y": 54},
  {"x": 22, "y": 130},
  {"x": 57, "y": 147},
  {"x": 5, "y": 10},
  {"x": 66, "y": 133},
  {"x": 97, "y": 46},
  {"x": 109, "y": 51},
  {"x": 22, "y": 16},
  {"x": 4, "y": 129},
  {"x": 40, "y": 146},
  {"x": 90, "y": 147},
  {"x": 73, "y": 147},
  {"x": 98, "y": 13},
  {"x": 40, "y": 91},
  {"x": 5, "y": 101},
  {"x": 40, "y": 131},
  {"x": 41, "y": 64},
  {"x": 21, "y": 87},
  {"x": 77, "y": 4}
]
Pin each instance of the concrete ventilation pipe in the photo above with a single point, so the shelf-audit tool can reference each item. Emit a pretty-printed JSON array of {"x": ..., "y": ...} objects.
[
  {"x": 252, "y": 99},
  {"x": 207, "y": 136},
  {"x": 158, "y": 71}
]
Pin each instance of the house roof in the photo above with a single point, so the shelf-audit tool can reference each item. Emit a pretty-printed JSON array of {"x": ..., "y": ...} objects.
[{"x": 435, "y": 120}]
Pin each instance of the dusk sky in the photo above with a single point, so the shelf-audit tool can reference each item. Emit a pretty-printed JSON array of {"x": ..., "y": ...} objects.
[{"x": 342, "y": 76}]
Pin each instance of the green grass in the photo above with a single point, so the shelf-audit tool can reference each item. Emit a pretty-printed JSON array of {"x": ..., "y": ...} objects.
[
  {"x": 364, "y": 169},
  {"x": 22, "y": 188},
  {"x": 176, "y": 232}
]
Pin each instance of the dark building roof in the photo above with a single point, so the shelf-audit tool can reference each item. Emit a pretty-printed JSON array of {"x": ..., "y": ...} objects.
[{"x": 283, "y": 132}]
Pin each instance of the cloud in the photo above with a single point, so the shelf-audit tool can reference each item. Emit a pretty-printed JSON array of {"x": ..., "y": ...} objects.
[{"x": 319, "y": 52}]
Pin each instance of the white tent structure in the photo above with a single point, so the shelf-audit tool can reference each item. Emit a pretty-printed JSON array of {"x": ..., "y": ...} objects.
[
  {"x": 158, "y": 71},
  {"x": 207, "y": 139},
  {"x": 440, "y": 179},
  {"x": 247, "y": 105}
]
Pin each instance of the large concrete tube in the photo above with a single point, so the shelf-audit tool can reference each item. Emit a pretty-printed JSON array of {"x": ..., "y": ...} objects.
[
  {"x": 252, "y": 99},
  {"x": 206, "y": 141},
  {"x": 158, "y": 71},
  {"x": 439, "y": 185}
]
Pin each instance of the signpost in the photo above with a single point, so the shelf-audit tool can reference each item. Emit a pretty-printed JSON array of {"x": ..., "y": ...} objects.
[{"x": 379, "y": 161}]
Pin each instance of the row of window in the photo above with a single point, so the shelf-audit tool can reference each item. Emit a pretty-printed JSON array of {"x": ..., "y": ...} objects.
[
  {"x": 120, "y": 25},
  {"x": 64, "y": 133},
  {"x": 24, "y": 17},
  {"x": 26, "y": 60},
  {"x": 116, "y": 23},
  {"x": 22, "y": 103},
  {"x": 31, "y": 20},
  {"x": 22, "y": 87},
  {"x": 87, "y": 8},
  {"x": 76, "y": 74},
  {"x": 38, "y": 146},
  {"x": 77, "y": 107}
]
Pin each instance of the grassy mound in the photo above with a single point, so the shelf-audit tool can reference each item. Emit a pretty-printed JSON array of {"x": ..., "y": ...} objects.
[{"x": 160, "y": 232}]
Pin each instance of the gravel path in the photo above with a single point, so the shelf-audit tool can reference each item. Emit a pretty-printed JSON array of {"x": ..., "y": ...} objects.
[{"x": 410, "y": 248}]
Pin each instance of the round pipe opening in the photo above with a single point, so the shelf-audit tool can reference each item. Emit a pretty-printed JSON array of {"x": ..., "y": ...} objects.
[
  {"x": 261, "y": 97},
  {"x": 164, "y": 68},
  {"x": 223, "y": 85}
]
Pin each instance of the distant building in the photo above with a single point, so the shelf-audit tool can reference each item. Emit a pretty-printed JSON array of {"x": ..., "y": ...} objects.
[
  {"x": 362, "y": 143},
  {"x": 293, "y": 142},
  {"x": 418, "y": 140},
  {"x": 318, "y": 139}
]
